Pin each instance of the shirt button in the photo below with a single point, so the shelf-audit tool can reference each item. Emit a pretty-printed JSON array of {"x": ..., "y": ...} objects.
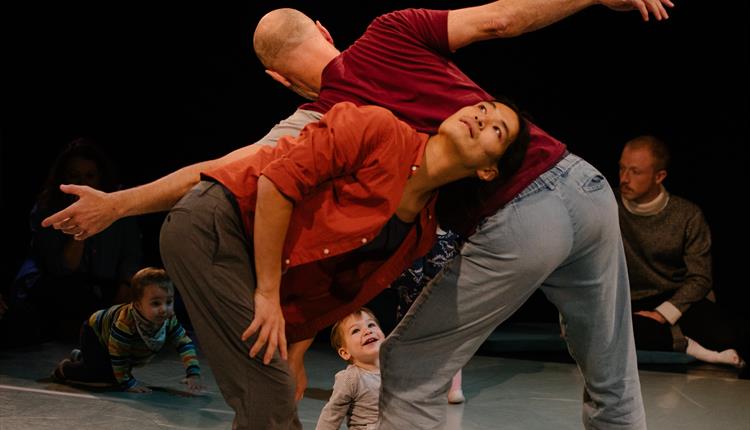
[
  {"x": 364, "y": 240},
  {"x": 326, "y": 251},
  {"x": 287, "y": 261},
  {"x": 429, "y": 216},
  {"x": 413, "y": 168}
]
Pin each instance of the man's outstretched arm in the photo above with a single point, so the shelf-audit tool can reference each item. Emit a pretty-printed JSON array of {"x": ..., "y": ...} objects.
[
  {"x": 509, "y": 18},
  {"x": 95, "y": 210}
]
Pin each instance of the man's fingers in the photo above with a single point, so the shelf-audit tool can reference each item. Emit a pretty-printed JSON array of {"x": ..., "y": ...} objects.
[
  {"x": 67, "y": 228},
  {"x": 641, "y": 6},
  {"x": 656, "y": 9},
  {"x": 260, "y": 342},
  {"x": 72, "y": 189},
  {"x": 663, "y": 10},
  {"x": 270, "y": 348},
  {"x": 282, "y": 344},
  {"x": 65, "y": 214},
  {"x": 250, "y": 330},
  {"x": 56, "y": 218}
]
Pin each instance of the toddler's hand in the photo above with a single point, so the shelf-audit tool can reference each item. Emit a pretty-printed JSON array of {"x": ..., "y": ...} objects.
[
  {"x": 138, "y": 389},
  {"x": 194, "y": 383}
]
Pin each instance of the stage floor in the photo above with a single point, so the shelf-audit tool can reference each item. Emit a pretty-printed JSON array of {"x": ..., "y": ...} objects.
[{"x": 501, "y": 392}]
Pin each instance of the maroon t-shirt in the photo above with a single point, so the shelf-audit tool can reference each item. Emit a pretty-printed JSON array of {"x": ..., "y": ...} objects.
[{"x": 401, "y": 63}]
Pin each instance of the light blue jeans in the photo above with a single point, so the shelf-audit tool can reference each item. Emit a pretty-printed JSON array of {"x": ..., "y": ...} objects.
[{"x": 561, "y": 234}]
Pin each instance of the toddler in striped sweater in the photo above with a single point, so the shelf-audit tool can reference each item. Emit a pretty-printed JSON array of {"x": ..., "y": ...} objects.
[{"x": 115, "y": 340}]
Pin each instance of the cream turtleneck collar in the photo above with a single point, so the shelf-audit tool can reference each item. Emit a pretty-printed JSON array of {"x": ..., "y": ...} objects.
[{"x": 649, "y": 208}]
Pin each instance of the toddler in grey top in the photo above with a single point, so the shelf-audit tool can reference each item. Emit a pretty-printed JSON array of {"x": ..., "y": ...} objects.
[{"x": 356, "y": 338}]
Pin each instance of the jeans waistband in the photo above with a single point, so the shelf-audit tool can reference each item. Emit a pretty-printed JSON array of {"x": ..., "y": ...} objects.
[{"x": 550, "y": 178}]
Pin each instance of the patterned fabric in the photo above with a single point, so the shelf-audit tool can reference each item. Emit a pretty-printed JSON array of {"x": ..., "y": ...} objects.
[
  {"x": 154, "y": 337},
  {"x": 410, "y": 283},
  {"x": 117, "y": 331}
]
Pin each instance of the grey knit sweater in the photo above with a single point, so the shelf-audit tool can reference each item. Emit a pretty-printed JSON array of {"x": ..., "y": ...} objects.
[{"x": 668, "y": 252}]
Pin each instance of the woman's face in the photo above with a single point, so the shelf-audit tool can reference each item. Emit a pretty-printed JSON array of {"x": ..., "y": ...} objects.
[
  {"x": 481, "y": 133},
  {"x": 81, "y": 171}
]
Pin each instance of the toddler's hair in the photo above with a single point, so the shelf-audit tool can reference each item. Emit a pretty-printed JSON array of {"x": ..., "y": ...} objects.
[{"x": 150, "y": 276}]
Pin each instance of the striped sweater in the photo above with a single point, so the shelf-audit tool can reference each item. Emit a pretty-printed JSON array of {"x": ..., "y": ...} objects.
[{"x": 116, "y": 329}]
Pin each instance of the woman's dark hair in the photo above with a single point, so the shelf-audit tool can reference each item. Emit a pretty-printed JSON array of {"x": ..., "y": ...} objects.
[
  {"x": 51, "y": 197},
  {"x": 461, "y": 199}
]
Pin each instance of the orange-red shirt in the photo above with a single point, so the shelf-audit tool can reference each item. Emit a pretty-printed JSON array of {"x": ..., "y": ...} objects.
[{"x": 345, "y": 175}]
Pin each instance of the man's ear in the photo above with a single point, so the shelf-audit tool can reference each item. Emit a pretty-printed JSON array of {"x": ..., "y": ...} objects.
[
  {"x": 488, "y": 173},
  {"x": 324, "y": 32},
  {"x": 343, "y": 353},
  {"x": 660, "y": 176},
  {"x": 278, "y": 77}
]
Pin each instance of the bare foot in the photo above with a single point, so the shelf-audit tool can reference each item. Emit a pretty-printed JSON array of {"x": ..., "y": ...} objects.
[{"x": 730, "y": 356}]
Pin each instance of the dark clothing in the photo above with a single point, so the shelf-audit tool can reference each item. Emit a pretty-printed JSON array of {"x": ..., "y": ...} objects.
[
  {"x": 705, "y": 322},
  {"x": 59, "y": 297},
  {"x": 213, "y": 275},
  {"x": 113, "y": 255},
  {"x": 413, "y": 280},
  {"x": 95, "y": 364}
]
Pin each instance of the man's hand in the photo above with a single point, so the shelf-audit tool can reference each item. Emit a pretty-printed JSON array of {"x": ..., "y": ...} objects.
[
  {"x": 269, "y": 324},
  {"x": 656, "y": 316},
  {"x": 92, "y": 212},
  {"x": 655, "y": 7}
]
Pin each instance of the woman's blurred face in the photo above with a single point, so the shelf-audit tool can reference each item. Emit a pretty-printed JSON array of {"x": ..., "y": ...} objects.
[{"x": 81, "y": 171}]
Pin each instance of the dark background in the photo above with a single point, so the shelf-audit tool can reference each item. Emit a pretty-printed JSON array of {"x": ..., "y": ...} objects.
[{"x": 164, "y": 84}]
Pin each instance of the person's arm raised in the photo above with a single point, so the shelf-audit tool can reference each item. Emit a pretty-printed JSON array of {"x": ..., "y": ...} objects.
[
  {"x": 95, "y": 210},
  {"x": 509, "y": 18}
]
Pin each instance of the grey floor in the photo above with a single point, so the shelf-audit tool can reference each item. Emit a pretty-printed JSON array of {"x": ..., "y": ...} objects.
[{"x": 502, "y": 392}]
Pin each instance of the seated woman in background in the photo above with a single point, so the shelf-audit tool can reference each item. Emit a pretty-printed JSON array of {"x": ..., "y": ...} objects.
[{"x": 65, "y": 279}]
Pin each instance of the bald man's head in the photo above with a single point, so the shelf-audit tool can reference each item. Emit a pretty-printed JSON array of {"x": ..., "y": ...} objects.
[{"x": 278, "y": 33}]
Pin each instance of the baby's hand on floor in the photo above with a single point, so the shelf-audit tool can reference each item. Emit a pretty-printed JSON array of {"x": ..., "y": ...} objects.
[
  {"x": 195, "y": 384},
  {"x": 138, "y": 389}
]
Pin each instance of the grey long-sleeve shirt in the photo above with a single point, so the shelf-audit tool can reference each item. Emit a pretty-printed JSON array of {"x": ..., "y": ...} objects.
[{"x": 355, "y": 397}]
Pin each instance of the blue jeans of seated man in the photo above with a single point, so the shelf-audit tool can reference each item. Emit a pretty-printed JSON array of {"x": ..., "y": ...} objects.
[{"x": 561, "y": 234}]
